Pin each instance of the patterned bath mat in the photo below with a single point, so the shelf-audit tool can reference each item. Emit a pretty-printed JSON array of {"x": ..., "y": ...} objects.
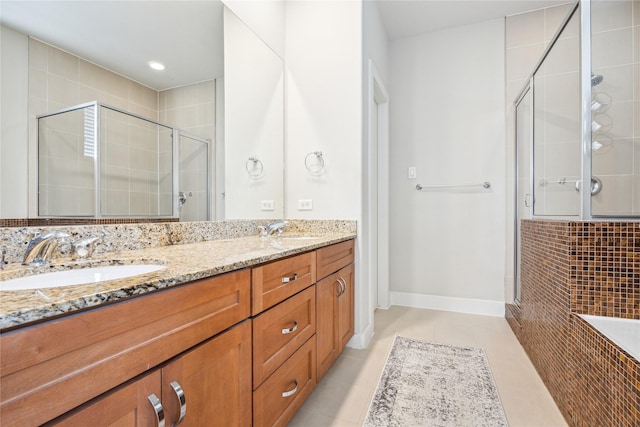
[{"x": 427, "y": 384}]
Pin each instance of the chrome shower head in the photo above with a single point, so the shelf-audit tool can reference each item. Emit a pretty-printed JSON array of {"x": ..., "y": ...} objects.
[{"x": 596, "y": 79}]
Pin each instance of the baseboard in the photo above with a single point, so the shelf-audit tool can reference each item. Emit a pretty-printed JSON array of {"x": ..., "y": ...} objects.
[
  {"x": 460, "y": 305},
  {"x": 361, "y": 340}
]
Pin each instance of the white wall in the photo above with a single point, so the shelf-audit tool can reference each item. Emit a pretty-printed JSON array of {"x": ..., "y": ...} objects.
[
  {"x": 448, "y": 120},
  {"x": 14, "y": 139},
  {"x": 374, "y": 238},
  {"x": 324, "y": 113},
  {"x": 324, "y": 107},
  {"x": 254, "y": 79},
  {"x": 265, "y": 18}
]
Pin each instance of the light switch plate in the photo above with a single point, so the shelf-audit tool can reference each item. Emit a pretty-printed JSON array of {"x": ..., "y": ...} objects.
[{"x": 411, "y": 172}]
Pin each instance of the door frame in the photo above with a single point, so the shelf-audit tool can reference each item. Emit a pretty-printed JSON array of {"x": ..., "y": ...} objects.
[{"x": 378, "y": 265}]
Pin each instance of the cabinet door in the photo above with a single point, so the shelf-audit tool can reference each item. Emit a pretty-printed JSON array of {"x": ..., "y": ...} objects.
[
  {"x": 345, "y": 307},
  {"x": 127, "y": 406},
  {"x": 216, "y": 380},
  {"x": 334, "y": 325}
]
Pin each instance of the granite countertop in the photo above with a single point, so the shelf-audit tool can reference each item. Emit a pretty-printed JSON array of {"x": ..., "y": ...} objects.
[{"x": 184, "y": 263}]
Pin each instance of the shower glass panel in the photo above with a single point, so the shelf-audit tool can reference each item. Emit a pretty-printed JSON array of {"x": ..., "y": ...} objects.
[
  {"x": 134, "y": 163},
  {"x": 66, "y": 184},
  {"x": 615, "y": 107},
  {"x": 557, "y": 126},
  {"x": 524, "y": 135},
  {"x": 193, "y": 181},
  {"x": 135, "y": 166}
]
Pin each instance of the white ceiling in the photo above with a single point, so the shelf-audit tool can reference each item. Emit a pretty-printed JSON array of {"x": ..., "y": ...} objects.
[
  {"x": 124, "y": 35},
  {"x": 403, "y": 18},
  {"x": 186, "y": 35}
]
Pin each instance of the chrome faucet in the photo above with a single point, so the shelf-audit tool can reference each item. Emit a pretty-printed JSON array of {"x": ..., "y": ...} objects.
[
  {"x": 41, "y": 248},
  {"x": 83, "y": 248},
  {"x": 273, "y": 228}
]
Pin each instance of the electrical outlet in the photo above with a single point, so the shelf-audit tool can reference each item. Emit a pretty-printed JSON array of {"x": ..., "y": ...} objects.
[
  {"x": 266, "y": 205},
  {"x": 305, "y": 205}
]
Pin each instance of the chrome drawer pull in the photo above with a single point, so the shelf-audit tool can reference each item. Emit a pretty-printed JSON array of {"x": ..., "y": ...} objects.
[
  {"x": 290, "y": 279},
  {"x": 157, "y": 409},
  {"x": 182, "y": 400},
  {"x": 291, "y": 329},
  {"x": 292, "y": 391}
]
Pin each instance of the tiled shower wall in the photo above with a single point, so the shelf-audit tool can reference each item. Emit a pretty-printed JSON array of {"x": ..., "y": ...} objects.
[{"x": 571, "y": 267}]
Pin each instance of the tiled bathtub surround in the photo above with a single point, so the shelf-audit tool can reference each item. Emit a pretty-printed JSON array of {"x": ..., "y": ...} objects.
[
  {"x": 123, "y": 237},
  {"x": 569, "y": 268}
]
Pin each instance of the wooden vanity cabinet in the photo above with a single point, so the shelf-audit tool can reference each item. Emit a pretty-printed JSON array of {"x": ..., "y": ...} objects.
[
  {"x": 51, "y": 368},
  {"x": 335, "y": 304},
  {"x": 245, "y": 348},
  {"x": 214, "y": 377}
]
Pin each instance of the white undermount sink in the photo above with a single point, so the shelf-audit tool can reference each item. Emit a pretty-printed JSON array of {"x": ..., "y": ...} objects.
[
  {"x": 82, "y": 276},
  {"x": 285, "y": 237}
]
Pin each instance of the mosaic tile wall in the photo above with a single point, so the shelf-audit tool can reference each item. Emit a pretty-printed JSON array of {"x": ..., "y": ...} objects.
[
  {"x": 605, "y": 381},
  {"x": 606, "y": 264},
  {"x": 590, "y": 268}
]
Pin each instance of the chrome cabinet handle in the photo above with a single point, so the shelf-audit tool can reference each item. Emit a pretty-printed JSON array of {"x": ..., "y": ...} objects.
[
  {"x": 157, "y": 409},
  {"x": 339, "y": 287},
  {"x": 290, "y": 278},
  {"x": 343, "y": 285},
  {"x": 182, "y": 400},
  {"x": 292, "y": 391},
  {"x": 294, "y": 328}
]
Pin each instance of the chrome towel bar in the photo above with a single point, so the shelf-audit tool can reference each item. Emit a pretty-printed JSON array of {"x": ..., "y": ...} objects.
[{"x": 485, "y": 184}]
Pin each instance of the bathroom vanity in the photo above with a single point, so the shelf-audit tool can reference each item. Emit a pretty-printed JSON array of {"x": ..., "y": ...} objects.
[{"x": 240, "y": 341}]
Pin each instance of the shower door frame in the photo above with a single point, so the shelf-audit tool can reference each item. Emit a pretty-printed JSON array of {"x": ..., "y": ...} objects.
[
  {"x": 177, "y": 133},
  {"x": 527, "y": 90}
]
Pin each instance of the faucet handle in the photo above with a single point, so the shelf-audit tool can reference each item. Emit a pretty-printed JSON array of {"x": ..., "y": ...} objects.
[{"x": 83, "y": 248}]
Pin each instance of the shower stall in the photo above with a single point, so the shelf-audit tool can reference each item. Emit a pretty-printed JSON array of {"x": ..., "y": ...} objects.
[
  {"x": 98, "y": 161},
  {"x": 577, "y": 122}
]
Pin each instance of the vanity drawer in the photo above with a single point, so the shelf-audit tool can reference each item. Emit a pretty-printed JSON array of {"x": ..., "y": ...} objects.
[
  {"x": 279, "y": 331},
  {"x": 279, "y": 397},
  {"x": 53, "y": 367},
  {"x": 278, "y": 280},
  {"x": 332, "y": 258}
]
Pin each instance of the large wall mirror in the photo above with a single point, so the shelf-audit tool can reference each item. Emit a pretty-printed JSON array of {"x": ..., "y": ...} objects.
[{"x": 201, "y": 139}]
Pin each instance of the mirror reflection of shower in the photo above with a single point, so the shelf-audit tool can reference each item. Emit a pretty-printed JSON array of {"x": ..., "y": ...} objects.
[
  {"x": 98, "y": 161},
  {"x": 193, "y": 177}
]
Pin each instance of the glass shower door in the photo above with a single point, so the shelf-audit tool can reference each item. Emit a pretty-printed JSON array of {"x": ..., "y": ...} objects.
[
  {"x": 193, "y": 179},
  {"x": 524, "y": 192}
]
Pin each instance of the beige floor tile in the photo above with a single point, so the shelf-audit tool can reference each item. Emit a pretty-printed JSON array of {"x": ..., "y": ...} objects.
[{"x": 343, "y": 396}]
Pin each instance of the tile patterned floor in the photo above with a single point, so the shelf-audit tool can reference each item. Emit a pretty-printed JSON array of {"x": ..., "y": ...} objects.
[{"x": 342, "y": 397}]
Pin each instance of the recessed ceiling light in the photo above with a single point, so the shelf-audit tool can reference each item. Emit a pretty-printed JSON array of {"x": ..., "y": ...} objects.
[{"x": 156, "y": 65}]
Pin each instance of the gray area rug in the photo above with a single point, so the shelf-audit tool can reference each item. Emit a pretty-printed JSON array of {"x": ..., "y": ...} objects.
[{"x": 427, "y": 384}]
